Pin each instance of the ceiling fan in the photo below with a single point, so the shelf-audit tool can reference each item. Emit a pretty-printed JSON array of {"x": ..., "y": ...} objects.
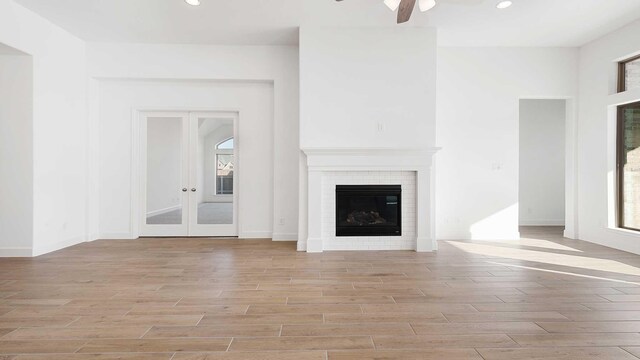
[{"x": 405, "y": 7}]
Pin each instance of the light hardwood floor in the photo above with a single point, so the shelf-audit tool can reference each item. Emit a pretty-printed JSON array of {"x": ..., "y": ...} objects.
[{"x": 542, "y": 297}]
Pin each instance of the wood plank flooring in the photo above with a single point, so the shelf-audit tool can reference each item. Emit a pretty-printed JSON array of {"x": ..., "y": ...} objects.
[{"x": 541, "y": 297}]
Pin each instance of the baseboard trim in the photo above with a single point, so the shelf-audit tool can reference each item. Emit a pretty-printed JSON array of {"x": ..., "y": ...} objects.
[
  {"x": 319, "y": 245},
  {"x": 117, "y": 236},
  {"x": 15, "y": 252},
  {"x": 542, "y": 222},
  {"x": 570, "y": 234},
  {"x": 163, "y": 211},
  {"x": 243, "y": 235},
  {"x": 285, "y": 237},
  {"x": 255, "y": 235},
  {"x": 46, "y": 249},
  {"x": 425, "y": 245},
  {"x": 510, "y": 236},
  {"x": 302, "y": 246}
]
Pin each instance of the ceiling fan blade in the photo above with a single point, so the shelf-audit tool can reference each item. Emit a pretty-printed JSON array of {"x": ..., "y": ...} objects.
[{"x": 405, "y": 10}]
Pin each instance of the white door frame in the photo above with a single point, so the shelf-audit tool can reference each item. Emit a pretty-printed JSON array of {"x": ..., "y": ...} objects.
[{"x": 138, "y": 174}]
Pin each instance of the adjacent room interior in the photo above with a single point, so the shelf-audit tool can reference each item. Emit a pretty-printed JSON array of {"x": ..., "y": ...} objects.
[
  {"x": 541, "y": 196},
  {"x": 319, "y": 180}
]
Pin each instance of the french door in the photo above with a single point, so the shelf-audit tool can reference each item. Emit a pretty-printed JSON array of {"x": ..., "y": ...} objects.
[{"x": 189, "y": 167}]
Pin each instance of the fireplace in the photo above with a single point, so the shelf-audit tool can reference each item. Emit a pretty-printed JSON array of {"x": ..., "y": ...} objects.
[
  {"x": 328, "y": 169},
  {"x": 368, "y": 210}
]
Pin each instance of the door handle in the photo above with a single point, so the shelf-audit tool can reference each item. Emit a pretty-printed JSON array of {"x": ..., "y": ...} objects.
[
  {"x": 193, "y": 190},
  {"x": 184, "y": 189}
]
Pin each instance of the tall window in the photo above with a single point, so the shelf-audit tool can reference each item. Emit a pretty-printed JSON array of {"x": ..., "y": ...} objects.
[
  {"x": 224, "y": 167},
  {"x": 629, "y": 166},
  {"x": 629, "y": 74}
]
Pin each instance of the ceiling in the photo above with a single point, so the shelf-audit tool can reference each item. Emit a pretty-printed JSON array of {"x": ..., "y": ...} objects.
[{"x": 275, "y": 22}]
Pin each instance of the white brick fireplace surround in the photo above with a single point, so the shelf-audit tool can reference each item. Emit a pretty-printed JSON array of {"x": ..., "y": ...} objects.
[{"x": 410, "y": 168}]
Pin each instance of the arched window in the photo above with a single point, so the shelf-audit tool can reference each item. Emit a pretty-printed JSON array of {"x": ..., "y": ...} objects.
[
  {"x": 224, "y": 167},
  {"x": 225, "y": 145}
]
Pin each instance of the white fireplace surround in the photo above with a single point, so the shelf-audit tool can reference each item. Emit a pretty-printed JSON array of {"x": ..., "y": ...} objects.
[{"x": 411, "y": 167}]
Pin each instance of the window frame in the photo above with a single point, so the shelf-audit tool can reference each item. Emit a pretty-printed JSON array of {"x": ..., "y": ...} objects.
[
  {"x": 620, "y": 166},
  {"x": 622, "y": 72}
]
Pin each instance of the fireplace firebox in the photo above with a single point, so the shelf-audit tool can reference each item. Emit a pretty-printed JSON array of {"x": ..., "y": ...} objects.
[{"x": 368, "y": 210}]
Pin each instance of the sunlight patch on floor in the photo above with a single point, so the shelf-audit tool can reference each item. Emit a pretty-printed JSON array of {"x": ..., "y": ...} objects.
[
  {"x": 581, "y": 262},
  {"x": 545, "y": 244},
  {"x": 563, "y": 273}
]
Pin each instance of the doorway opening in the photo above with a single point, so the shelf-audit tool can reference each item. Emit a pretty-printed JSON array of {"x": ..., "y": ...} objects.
[
  {"x": 543, "y": 170},
  {"x": 189, "y": 167},
  {"x": 16, "y": 153}
]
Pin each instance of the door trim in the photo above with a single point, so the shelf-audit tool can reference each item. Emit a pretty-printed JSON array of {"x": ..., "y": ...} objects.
[{"x": 135, "y": 165}]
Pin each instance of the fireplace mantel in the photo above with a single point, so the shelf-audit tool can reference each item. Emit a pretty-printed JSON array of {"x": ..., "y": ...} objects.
[
  {"x": 332, "y": 159},
  {"x": 323, "y": 160}
]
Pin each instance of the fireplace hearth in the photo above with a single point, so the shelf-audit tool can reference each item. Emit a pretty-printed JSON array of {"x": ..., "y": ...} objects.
[{"x": 368, "y": 210}]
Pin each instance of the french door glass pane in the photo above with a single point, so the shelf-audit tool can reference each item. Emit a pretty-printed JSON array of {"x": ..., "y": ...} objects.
[
  {"x": 164, "y": 171},
  {"x": 224, "y": 175},
  {"x": 630, "y": 166},
  {"x": 632, "y": 75},
  {"x": 215, "y": 171}
]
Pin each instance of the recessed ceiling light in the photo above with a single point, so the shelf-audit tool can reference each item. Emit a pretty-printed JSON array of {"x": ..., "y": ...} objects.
[
  {"x": 193, "y": 2},
  {"x": 504, "y": 4}
]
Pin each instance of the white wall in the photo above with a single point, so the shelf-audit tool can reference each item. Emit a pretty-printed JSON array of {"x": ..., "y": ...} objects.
[
  {"x": 275, "y": 65},
  {"x": 164, "y": 164},
  {"x": 59, "y": 126},
  {"x": 598, "y": 101},
  {"x": 477, "y": 125},
  {"x": 16, "y": 153},
  {"x": 367, "y": 87},
  {"x": 253, "y": 101},
  {"x": 542, "y": 162}
]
